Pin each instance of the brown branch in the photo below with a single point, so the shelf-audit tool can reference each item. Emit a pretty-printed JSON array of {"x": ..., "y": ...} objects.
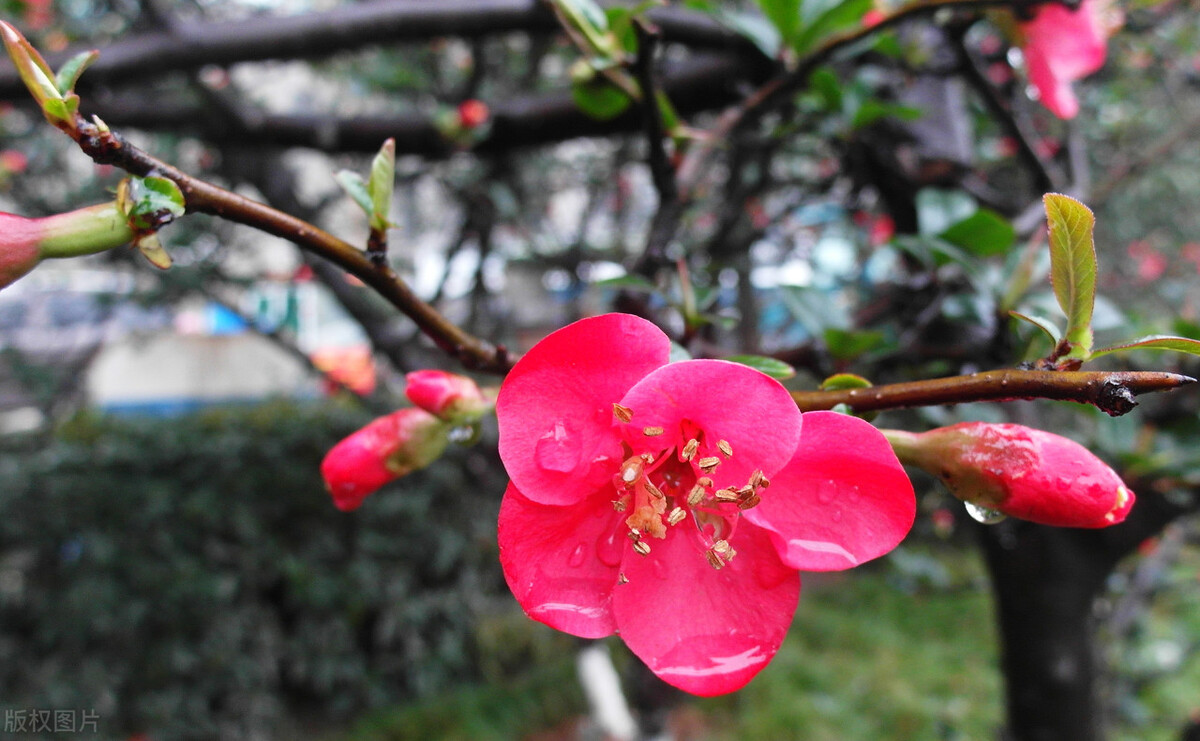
[
  {"x": 1111, "y": 392},
  {"x": 660, "y": 164},
  {"x": 105, "y": 147}
]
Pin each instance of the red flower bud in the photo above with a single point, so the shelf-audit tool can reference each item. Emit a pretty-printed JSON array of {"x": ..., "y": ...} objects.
[
  {"x": 384, "y": 450},
  {"x": 19, "y": 251},
  {"x": 447, "y": 396},
  {"x": 1021, "y": 472},
  {"x": 472, "y": 113}
]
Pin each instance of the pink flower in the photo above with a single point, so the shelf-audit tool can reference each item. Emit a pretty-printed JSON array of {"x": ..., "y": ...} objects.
[
  {"x": 386, "y": 449},
  {"x": 1062, "y": 46},
  {"x": 473, "y": 113},
  {"x": 639, "y": 501},
  {"x": 1021, "y": 472},
  {"x": 445, "y": 395}
]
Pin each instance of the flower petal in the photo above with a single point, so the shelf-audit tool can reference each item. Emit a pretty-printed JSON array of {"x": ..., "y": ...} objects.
[
  {"x": 747, "y": 409},
  {"x": 561, "y": 561},
  {"x": 705, "y": 631},
  {"x": 555, "y": 409},
  {"x": 842, "y": 500},
  {"x": 1063, "y": 45}
]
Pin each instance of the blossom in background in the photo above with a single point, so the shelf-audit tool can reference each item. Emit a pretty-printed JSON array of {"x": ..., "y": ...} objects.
[
  {"x": 401, "y": 442},
  {"x": 1063, "y": 45},
  {"x": 674, "y": 503},
  {"x": 1021, "y": 472}
]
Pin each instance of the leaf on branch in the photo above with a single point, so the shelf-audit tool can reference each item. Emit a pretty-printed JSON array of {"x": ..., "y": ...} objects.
[
  {"x": 69, "y": 73},
  {"x": 984, "y": 233},
  {"x": 600, "y": 99},
  {"x": 1155, "y": 342},
  {"x": 772, "y": 367},
  {"x": 784, "y": 15},
  {"x": 383, "y": 178},
  {"x": 1041, "y": 323},
  {"x": 844, "y": 381},
  {"x": 1073, "y": 268},
  {"x": 628, "y": 283},
  {"x": 356, "y": 188},
  {"x": 823, "y": 18}
]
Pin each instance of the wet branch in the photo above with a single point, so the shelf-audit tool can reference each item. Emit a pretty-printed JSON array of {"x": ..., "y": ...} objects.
[{"x": 1111, "y": 392}]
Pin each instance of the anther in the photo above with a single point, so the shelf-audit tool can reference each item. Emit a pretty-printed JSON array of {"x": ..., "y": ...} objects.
[
  {"x": 725, "y": 448},
  {"x": 714, "y": 560},
  {"x": 652, "y": 431},
  {"x": 677, "y": 516},
  {"x": 709, "y": 464},
  {"x": 642, "y": 548},
  {"x": 721, "y": 547},
  {"x": 696, "y": 495},
  {"x": 622, "y": 579},
  {"x": 704, "y": 481},
  {"x": 653, "y": 490},
  {"x": 689, "y": 450},
  {"x": 622, "y": 413},
  {"x": 756, "y": 479},
  {"x": 726, "y": 495},
  {"x": 648, "y": 458},
  {"x": 749, "y": 502}
]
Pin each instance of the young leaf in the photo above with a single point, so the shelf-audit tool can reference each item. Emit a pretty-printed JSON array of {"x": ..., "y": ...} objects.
[
  {"x": 152, "y": 202},
  {"x": 69, "y": 73},
  {"x": 827, "y": 17},
  {"x": 354, "y": 186},
  {"x": 1073, "y": 267},
  {"x": 776, "y": 369},
  {"x": 600, "y": 99},
  {"x": 1045, "y": 325},
  {"x": 1155, "y": 342},
  {"x": 383, "y": 178}
]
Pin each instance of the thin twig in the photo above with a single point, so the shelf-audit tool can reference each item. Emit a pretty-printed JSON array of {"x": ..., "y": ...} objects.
[
  {"x": 1111, "y": 392},
  {"x": 660, "y": 164},
  {"x": 105, "y": 147}
]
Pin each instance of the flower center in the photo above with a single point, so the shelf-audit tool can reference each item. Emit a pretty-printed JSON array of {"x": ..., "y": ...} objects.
[{"x": 664, "y": 484}]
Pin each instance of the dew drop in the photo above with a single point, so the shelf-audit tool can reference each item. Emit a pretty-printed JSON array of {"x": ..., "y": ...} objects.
[
  {"x": 608, "y": 547},
  {"x": 575, "y": 560},
  {"x": 984, "y": 514},
  {"x": 826, "y": 490},
  {"x": 557, "y": 450}
]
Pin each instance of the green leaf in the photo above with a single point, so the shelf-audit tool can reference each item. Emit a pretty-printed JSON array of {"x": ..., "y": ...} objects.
[
  {"x": 153, "y": 202},
  {"x": 584, "y": 13},
  {"x": 69, "y": 73},
  {"x": 628, "y": 283},
  {"x": 354, "y": 186},
  {"x": 600, "y": 99},
  {"x": 383, "y": 179},
  {"x": 823, "y": 18},
  {"x": 784, "y": 15},
  {"x": 1045, "y": 325},
  {"x": 849, "y": 344},
  {"x": 873, "y": 110},
  {"x": 984, "y": 233},
  {"x": 1155, "y": 342},
  {"x": 1073, "y": 267},
  {"x": 843, "y": 381},
  {"x": 776, "y": 369},
  {"x": 761, "y": 32},
  {"x": 824, "y": 82}
]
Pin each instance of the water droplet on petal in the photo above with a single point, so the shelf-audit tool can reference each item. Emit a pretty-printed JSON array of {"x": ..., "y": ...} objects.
[
  {"x": 557, "y": 450},
  {"x": 984, "y": 515},
  {"x": 575, "y": 560},
  {"x": 608, "y": 547},
  {"x": 825, "y": 491}
]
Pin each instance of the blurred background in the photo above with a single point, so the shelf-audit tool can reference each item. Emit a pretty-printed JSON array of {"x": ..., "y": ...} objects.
[{"x": 171, "y": 564}]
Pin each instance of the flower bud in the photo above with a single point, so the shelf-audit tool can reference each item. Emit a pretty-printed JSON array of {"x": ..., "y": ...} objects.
[
  {"x": 473, "y": 113},
  {"x": 18, "y": 247},
  {"x": 449, "y": 397},
  {"x": 384, "y": 450},
  {"x": 1022, "y": 472}
]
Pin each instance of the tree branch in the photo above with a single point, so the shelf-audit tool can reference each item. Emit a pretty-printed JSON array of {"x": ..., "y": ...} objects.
[
  {"x": 105, "y": 147},
  {"x": 1111, "y": 392},
  {"x": 315, "y": 35}
]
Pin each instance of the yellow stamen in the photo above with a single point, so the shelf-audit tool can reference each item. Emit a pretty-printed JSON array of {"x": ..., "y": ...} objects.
[
  {"x": 696, "y": 495},
  {"x": 622, "y": 413},
  {"x": 725, "y": 448},
  {"x": 714, "y": 560},
  {"x": 709, "y": 464},
  {"x": 622, "y": 579},
  {"x": 642, "y": 548},
  {"x": 689, "y": 450},
  {"x": 677, "y": 516},
  {"x": 727, "y": 495}
]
